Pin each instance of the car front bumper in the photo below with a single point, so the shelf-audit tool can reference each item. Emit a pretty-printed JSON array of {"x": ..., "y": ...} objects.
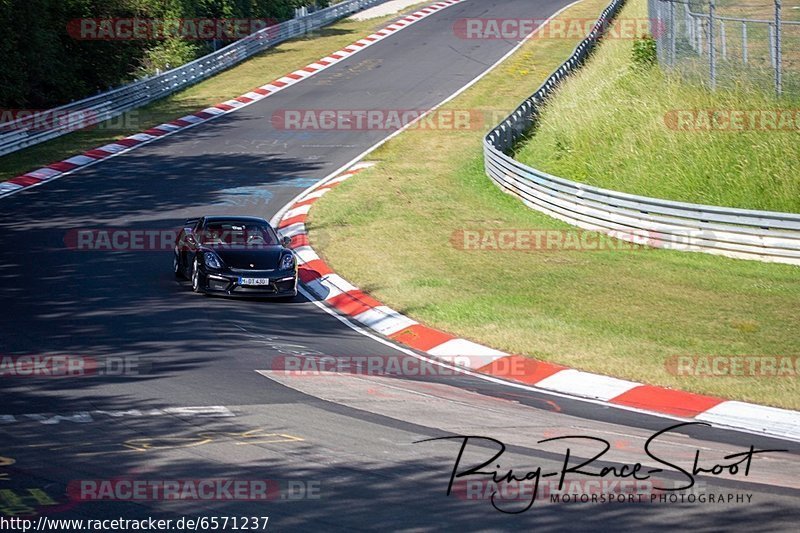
[{"x": 281, "y": 283}]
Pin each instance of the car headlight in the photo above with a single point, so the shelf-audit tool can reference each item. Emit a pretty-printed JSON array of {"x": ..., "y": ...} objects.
[
  {"x": 212, "y": 261},
  {"x": 287, "y": 262}
]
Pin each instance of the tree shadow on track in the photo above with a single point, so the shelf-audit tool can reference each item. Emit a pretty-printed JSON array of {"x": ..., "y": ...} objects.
[{"x": 340, "y": 492}]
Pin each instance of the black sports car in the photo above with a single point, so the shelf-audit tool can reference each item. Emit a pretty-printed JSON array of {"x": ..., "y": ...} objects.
[{"x": 235, "y": 256}]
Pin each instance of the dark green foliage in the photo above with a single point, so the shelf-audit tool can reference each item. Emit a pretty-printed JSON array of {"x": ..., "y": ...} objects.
[
  {"x": 644, "y": 51},
  {"x": 43, "y": 66}
]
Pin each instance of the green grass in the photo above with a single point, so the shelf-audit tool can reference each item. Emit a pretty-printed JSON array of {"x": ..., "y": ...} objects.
[
  {"x": 606, "y": 127},
  {"x": 389, "y": 229},
  {"x": 256, "y": 71}
]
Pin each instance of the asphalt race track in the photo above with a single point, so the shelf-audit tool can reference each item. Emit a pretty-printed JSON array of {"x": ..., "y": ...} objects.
[{"x": 340, "y": 448}]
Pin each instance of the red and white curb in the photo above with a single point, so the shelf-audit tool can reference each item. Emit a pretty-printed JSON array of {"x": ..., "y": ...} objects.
[
  {"x": 348, "y": 300},
  {"x": 62, "y": 168}
]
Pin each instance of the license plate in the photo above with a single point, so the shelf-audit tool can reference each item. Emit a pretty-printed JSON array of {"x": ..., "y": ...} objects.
[{"x": 254, "y": 281}]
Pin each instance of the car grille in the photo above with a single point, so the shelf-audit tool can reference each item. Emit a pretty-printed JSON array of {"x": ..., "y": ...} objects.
[{"x": 261, "y": 289}]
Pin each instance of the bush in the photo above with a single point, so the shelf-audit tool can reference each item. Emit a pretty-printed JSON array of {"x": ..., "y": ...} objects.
[
  {"x": 169, "y": 54},
  {"x": 644, "y": 51},
  {"x": 44, "y": 66}
]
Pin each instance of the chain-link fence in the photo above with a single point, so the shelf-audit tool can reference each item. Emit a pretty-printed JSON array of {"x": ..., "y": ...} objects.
[{"x": 726, "y": 43}]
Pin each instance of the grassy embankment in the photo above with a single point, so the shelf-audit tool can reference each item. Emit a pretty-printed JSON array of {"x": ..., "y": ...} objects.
[
  {"x": 613, "y": 126},
  {"x": 626, "y": 314}
]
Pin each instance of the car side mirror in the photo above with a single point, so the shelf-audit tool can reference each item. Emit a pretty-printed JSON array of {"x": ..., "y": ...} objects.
[
  {"x": 191, "y": 240},
  {"x": 286, "y": 240}
]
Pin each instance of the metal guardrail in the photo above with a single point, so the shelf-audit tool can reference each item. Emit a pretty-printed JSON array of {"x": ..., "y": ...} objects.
[
  {"x": 742, "y": 233},
  {"x": 21, "y": 133}
]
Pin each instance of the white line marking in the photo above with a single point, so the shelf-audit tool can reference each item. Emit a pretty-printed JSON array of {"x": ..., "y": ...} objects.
[
  {"x": 11, "y": 189},
  {"x": 511, "y": 384},
  {"x": 345, "y": 320}
]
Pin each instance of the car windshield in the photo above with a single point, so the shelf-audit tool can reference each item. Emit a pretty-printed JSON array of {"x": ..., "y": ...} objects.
[{"x": 232, "y": 233}]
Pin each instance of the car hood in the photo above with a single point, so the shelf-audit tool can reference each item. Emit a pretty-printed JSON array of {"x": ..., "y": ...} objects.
[{"x": 261, "y": 258}]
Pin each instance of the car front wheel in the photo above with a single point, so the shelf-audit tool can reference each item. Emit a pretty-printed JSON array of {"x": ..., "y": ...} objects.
[{"x": 196, "y": 277}]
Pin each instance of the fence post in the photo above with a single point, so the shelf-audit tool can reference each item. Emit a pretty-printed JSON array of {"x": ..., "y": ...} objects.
[
  {"x": 744, "y": 42},
  {"x": 671, "y": 35},
  {"x": 772, "y": 46},
  {"x": 712, "y": 60},
  {"x": 699, "y": 30},
  {"x": 778, "y": 51}
]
